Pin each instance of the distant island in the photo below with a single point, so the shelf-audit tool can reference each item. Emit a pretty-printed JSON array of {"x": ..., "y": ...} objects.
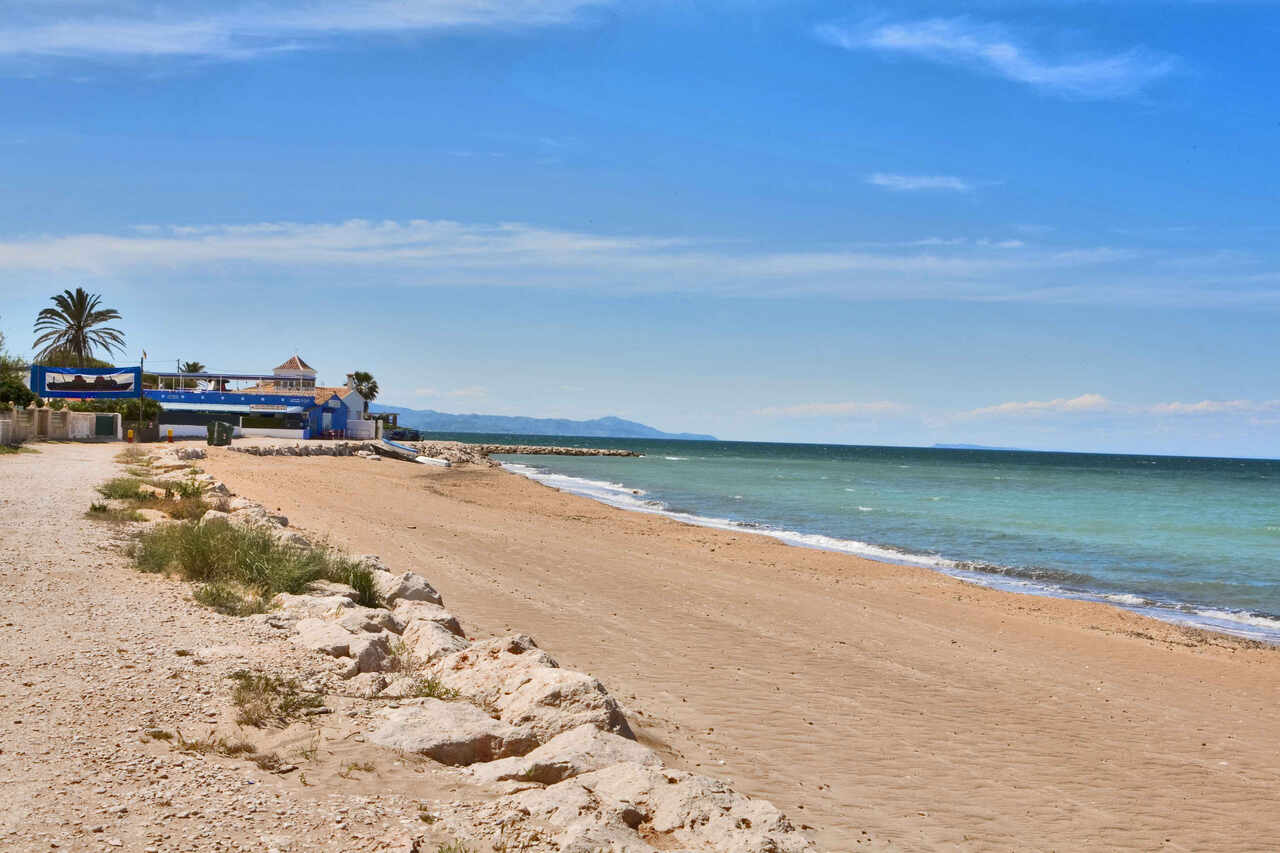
[
  {"x": 429, "y": 420},
  {"x": 972, "y": 447}
]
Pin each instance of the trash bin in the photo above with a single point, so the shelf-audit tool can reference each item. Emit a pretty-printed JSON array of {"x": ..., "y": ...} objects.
[{"x": 219, "y": 434}]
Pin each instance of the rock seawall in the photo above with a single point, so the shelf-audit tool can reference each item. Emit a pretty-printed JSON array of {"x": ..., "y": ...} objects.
[{"x": 454, "y": 452}]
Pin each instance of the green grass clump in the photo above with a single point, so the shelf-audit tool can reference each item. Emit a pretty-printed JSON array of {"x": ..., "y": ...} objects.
[
  {"x": 239, "y": 568},
  {"x": 134, "y": 456},
  {"x": 358, "y": 578},
  {"x": 229, "y": 599},
  {"x": 6, "y": 449},
  {"x": 184, "y": 507},
  {"x": 101, "y": 512},
  {"x": 264, "y": 698},
  {"x": 123, "y": 488}
]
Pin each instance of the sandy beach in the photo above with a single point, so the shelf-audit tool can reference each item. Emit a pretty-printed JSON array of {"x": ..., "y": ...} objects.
[{"x": 886, "y": 707}]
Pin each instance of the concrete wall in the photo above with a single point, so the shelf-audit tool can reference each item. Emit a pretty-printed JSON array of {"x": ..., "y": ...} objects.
[{"x": 21, "y": 425}]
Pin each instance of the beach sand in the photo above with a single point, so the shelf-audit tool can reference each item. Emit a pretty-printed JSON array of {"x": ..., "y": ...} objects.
[{"x": 887, "y": 707}]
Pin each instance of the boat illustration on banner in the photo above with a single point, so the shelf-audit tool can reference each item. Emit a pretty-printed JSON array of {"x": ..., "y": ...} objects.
[{"x": 65, "y": 383}]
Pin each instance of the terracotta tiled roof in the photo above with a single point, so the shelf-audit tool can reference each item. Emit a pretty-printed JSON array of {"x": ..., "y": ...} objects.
[
  {"x": 323, "y": 394},
  {"x": 296, "y": 363}
]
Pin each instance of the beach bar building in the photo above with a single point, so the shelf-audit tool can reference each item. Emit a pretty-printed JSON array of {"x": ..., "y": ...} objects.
[{"x": 286, "y": 403}]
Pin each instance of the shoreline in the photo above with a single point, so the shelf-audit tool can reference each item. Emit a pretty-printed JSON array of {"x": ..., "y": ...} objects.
[
  {"x": 1242, "y": 624},
  {"x": 860, "y": 697}
]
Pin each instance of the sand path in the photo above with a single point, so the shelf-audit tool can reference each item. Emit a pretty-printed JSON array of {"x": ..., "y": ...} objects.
[
  {"x": 889, "y": 707},
  {"x": 94, "y": 654}
]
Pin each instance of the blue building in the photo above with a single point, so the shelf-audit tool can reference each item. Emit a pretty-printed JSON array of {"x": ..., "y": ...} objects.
[{"x": 286, "y": 403}]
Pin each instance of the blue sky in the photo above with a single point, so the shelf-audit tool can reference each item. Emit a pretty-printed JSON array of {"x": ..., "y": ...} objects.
[{"x": 1043, "y": 224}]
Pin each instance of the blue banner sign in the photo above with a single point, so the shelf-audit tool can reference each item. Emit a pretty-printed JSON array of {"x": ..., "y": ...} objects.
[{"x": 86, "y": 381}]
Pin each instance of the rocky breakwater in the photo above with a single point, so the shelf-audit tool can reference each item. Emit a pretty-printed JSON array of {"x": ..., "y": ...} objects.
[
  {"x": 551, "y": 744},
  {"x": 453, "y": 452},
  {"x": 478, "y": 454}
]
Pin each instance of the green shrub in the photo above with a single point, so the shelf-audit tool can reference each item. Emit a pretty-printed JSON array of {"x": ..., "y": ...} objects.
[
  {"x": 358, "y": 578},
  {"x": 184, "y": 507},
  {"x": 229, "y": 599},
  {"x": 122, "y": 488},
  {"x": 240, "y": 568}
]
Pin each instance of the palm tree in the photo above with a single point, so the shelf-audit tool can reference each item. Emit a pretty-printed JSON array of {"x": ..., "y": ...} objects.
[
  {"x": 74, "y": 328},
  {"x": 366, "y": 386},
  {"x": 190, "y": 367}
]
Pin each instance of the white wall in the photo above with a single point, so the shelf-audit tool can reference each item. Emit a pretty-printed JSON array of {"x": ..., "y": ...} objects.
[{"x": 272, "y": 433}]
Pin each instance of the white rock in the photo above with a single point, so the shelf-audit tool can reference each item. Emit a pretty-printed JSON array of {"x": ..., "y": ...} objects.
[
  {"x": 572, "y": 753},
  {"x": 427, "y": 640},
  {"x": 219, "y": 489},
  {"x": 327, "y": 607},
  {"x": 238, "y": 504},
  {"x": 292, "y": 537},
  {"x": 190, "y": 453},
  {"x": 372, "y": 619},
  {"x": 323, "y": 636},
  {"x": 456, "y": 733},
  {"x": 213, "y": 515},
  {"x": 371, "y": 652},
  {"x": 627, "y": 801},
  {"x": 404, "y": 587},
  {"x": 528, "y": 688},
  {"x": 326, "y": 588},
  {"x": 413, "y": 611}
]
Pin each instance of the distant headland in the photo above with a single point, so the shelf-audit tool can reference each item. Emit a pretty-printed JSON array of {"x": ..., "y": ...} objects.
[{"x": 429, "y": 420}]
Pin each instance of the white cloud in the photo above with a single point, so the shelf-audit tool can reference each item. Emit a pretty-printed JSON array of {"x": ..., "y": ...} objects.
[
  {"x": 846, "y": 409},
  {"x": 459, "y": 393},
  {"x": 237, "y": 30},
  {"x": 911, "y": 183},
  {"x": 1074, "y": 405},
  {"x": 990, "y": 47},
  {"x": 427, "y": 253},
  {"x": 1215, "y": 407}
]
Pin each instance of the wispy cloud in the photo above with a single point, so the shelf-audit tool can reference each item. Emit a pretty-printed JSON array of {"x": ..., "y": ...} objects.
[
  {"x": 235, "y": 29},
  {"x": 1061, "y": 405},
  {"x": 458, "y": 393},
  {"x": 911, "y": 183},
  {"x": 995, "y": 49},
  {"x": 424, "y": 253},
  {"x": 1216, "y": 407},
  {"x": 845, "y": 409},
  {"x": 1087, "y": 404}
]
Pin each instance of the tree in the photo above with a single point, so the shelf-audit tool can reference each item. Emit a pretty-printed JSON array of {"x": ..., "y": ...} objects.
[
  {"x": 190, "y": 367},
  {"x": 75, "y": 329},
  {"x": 366, "y": 386}
]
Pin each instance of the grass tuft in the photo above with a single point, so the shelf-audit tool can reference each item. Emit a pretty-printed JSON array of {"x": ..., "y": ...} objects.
[
  {"x": 101, "y": 512},
  {"x": 268, "y": 761},
  {"x": 424, "y": 686},
  {"x": 6, "y": 449},
  {"x": 264, "y": 698},
  {"x": 229, "y": 599},
  {"x": 123, "y": 488},
  {"x": 240, "y": 568},
  {"x": 358, "y": 578}
]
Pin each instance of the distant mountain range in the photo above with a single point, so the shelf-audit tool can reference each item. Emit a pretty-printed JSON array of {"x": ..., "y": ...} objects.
[{"x": 429, "y": 420}]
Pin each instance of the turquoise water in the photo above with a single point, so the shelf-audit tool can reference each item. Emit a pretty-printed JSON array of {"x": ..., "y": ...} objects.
[{"x": 1187, "y": 539}]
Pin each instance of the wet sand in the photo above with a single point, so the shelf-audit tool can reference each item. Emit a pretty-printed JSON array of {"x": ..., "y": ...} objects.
[{"x": 888, "y": 707}]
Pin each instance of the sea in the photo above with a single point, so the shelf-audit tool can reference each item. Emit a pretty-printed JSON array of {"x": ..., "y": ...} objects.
[{"x": 1190, "y": 540}]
